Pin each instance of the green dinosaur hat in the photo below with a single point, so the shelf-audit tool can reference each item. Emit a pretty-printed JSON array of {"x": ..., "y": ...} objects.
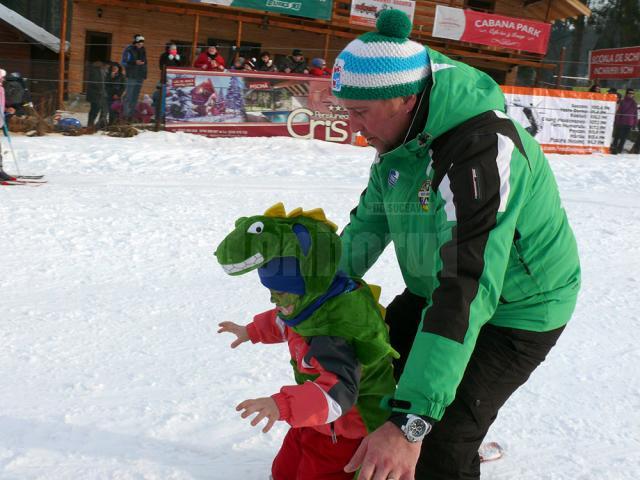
[{"x": 297, "y": 252}]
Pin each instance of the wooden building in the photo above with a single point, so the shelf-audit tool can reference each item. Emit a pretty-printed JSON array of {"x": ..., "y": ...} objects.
[{"x": 101, "y": 29}]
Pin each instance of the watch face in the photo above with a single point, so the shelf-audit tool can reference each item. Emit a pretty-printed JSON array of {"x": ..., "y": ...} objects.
[{"x": 417, "y": 428}]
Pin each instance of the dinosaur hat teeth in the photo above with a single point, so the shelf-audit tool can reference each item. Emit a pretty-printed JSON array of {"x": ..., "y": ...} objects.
[{"x": 250, "y": 262}]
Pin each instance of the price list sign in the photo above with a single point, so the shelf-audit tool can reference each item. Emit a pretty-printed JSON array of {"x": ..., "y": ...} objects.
[{"x": 564, "y": 121}]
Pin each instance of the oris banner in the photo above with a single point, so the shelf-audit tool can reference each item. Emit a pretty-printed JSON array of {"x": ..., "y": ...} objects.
[
  {"x": 495, "y": 30},
  {"x": 251, "y": 104}
]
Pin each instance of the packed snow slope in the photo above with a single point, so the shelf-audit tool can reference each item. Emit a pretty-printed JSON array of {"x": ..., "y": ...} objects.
[{"x": 111, "y": 368}]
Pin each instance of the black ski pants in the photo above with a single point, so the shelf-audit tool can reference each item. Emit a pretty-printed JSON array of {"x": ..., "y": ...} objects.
[
  {"x": 502, "y": 360},
  {"x": 620, "y": 134}
]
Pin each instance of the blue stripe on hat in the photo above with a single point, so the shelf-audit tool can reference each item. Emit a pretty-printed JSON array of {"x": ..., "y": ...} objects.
[{"x": 357, "y": 64}]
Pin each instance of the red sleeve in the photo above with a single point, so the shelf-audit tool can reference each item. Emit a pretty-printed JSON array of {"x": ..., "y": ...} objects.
[
  {"x": 220, "y": 60},
  {"x": 202, "y": 60},
  {"x": 332, "y": 394},
  {"x": 267, "y": 328}
]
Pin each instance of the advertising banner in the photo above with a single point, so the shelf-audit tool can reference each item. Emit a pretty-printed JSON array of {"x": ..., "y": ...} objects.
[
  {"x": 614, "y": 63},
  {"x": 366, "y": 12},
  {"x": 495, "y": 30},
  {"x": 320, "y": 9},
  {"x": 564, "y": 121},
  {"x": 251, "y": 104}
]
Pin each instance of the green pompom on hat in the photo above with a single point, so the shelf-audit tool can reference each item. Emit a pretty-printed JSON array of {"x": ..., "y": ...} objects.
[{"x": 382, "y": 64}]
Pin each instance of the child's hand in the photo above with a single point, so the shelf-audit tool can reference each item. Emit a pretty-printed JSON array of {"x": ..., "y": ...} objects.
[
  {"x": 266, "y": 408},
  {"x": 238, "y": 330}
]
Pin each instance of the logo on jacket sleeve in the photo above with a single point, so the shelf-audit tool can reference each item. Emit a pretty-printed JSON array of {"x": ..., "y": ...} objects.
[
  {"x": 424, "y": 195},
  {"x": 336, "y": 77}
]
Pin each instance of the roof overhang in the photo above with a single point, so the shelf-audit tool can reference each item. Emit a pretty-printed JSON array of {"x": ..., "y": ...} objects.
[{"x": 31, "y": 30}]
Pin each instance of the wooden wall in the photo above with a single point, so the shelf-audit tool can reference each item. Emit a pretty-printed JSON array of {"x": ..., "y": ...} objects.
[
  {"x": 159, "y": 28},
  {"x": 16, "y": 56}
]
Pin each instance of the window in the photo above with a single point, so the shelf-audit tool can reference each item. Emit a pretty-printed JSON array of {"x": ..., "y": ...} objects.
[{"x": 482, "y": 5}]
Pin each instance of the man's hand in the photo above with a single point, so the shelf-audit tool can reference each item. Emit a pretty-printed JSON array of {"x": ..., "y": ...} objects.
[
  {"x": 266, "y": 408},
  {"x": 385, "y": 454},
  {"x": 139, "y": 62},
  {"x": 238, "y": 330}
]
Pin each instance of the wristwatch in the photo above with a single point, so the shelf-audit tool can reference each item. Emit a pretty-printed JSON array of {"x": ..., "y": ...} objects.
[{"x": 414, "y": 427}]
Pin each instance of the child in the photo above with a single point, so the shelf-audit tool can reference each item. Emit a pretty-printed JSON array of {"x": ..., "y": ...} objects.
[
  {"x": 337, "y": 338},
  {"x": 3, "y": 175},
  {"x": 319, "y": 68}
]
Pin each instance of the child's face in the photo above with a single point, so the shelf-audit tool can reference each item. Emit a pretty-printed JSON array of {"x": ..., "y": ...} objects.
[{"x": 285, "y": 302}]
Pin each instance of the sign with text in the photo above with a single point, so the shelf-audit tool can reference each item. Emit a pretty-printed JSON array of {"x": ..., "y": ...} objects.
[
  {"x": 564, "y": 121},
  {"x": 320, "y": 9},
  {"x": 366, "y": 12},
  {"x": 614, "y": 63},
  {"x": 251, "y": 104},
  {"x": 494, "y": 30}
]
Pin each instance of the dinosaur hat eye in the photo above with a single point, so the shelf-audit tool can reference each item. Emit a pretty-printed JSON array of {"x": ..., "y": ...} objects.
[{"x": 256, "y": 228}]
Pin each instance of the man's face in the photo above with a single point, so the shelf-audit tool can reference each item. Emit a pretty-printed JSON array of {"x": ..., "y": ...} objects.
[
  {"x": 630, "y": 94},
  {"x": 139, "y": 44},
  {"x": 384, "y": 123},
  {"x": 298, "y": 58}
]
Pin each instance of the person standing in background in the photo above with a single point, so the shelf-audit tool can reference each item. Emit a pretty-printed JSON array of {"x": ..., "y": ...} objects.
[
  {"x": 626, "y": 119},
  {"x": 134, "y": 60},
  {"x": 210, "y": 60}
]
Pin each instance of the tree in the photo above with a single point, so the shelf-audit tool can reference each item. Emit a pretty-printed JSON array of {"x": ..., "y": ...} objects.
[{"x": 235, "y": 98}]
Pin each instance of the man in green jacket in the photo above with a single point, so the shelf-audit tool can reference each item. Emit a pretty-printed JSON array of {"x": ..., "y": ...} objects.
[{"x": 489, "y": 260}]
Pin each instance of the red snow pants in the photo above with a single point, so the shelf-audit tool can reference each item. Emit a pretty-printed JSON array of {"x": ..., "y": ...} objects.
[{"x": 307, "y": 454}]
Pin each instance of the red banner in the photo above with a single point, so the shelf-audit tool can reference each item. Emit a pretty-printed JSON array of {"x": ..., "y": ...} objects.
[
  {"x": 614, "y": 63},
  {"x": 495, "y": 30},
  {"x": 252, "y": 104}
]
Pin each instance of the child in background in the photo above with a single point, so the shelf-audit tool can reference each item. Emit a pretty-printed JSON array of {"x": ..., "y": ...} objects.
[
  {"x": 337, "y": 338},
  {"x": 4, "y": 176},
  {"x": 319, "y": 68}
]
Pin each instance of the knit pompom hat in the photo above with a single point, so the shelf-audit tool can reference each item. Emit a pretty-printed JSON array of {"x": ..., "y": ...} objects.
[{"x": 382, "y": 64}]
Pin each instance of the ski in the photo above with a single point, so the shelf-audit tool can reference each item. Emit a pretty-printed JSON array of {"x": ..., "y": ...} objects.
[
  {"x": 28, "y": 180},
  {"x": 29, "y": 177},
  {"x": 22, "y": 183},
  {"x": 490, "y": 451}
]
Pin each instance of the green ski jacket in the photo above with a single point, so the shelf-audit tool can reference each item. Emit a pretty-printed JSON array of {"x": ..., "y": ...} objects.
[{"x": 473, "y": 210}]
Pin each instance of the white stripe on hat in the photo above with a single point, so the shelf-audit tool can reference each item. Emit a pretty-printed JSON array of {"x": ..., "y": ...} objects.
[
  {"x": 383, "y": 49},
  {"x": 370, "y": 80}
]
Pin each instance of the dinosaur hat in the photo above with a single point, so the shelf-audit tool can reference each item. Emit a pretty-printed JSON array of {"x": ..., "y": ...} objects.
[{"x": 296, "y": 252}]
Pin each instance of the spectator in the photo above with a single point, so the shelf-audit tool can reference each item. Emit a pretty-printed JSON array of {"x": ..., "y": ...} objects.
[
  {"x": 96, "y": 94},
  {"x": 265, "y": 64},
  {"x": 134, "y": 60},
  {"x": 210, "y": 60},
  {"x": 626, "y": 119},
  {"x": 295, "y": 63},
  {"x": 170, "y": 57},
  {"x": 238, "y": 64},
  {"x": 319, "y": 68},
  {"x": 614, "y": 91},
  {"x": 114, "y": 87},
  {"x": 157, "y": 101},
  {"x": 17, "y": 95},
  {"x": 144, "y": 110},
  {"x": 249, "y": 64},
  {"x": 3, "y": 175},
  {"x": 595, "y": 88}
]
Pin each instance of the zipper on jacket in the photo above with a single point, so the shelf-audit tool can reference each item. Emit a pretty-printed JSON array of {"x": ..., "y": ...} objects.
[
  {"x": 334, "y": 437},
  {"x": 516, "y": 238}
]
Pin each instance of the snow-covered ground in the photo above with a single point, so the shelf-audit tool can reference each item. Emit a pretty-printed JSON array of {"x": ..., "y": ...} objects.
[{"x": 110, "y": 365}]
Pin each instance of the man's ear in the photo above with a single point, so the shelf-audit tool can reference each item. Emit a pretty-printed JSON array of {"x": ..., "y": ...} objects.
[{"x": 410, "y": 102}]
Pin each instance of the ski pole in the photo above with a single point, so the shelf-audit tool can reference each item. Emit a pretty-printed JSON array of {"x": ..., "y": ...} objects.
[{"x": 13, "y": 152}]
